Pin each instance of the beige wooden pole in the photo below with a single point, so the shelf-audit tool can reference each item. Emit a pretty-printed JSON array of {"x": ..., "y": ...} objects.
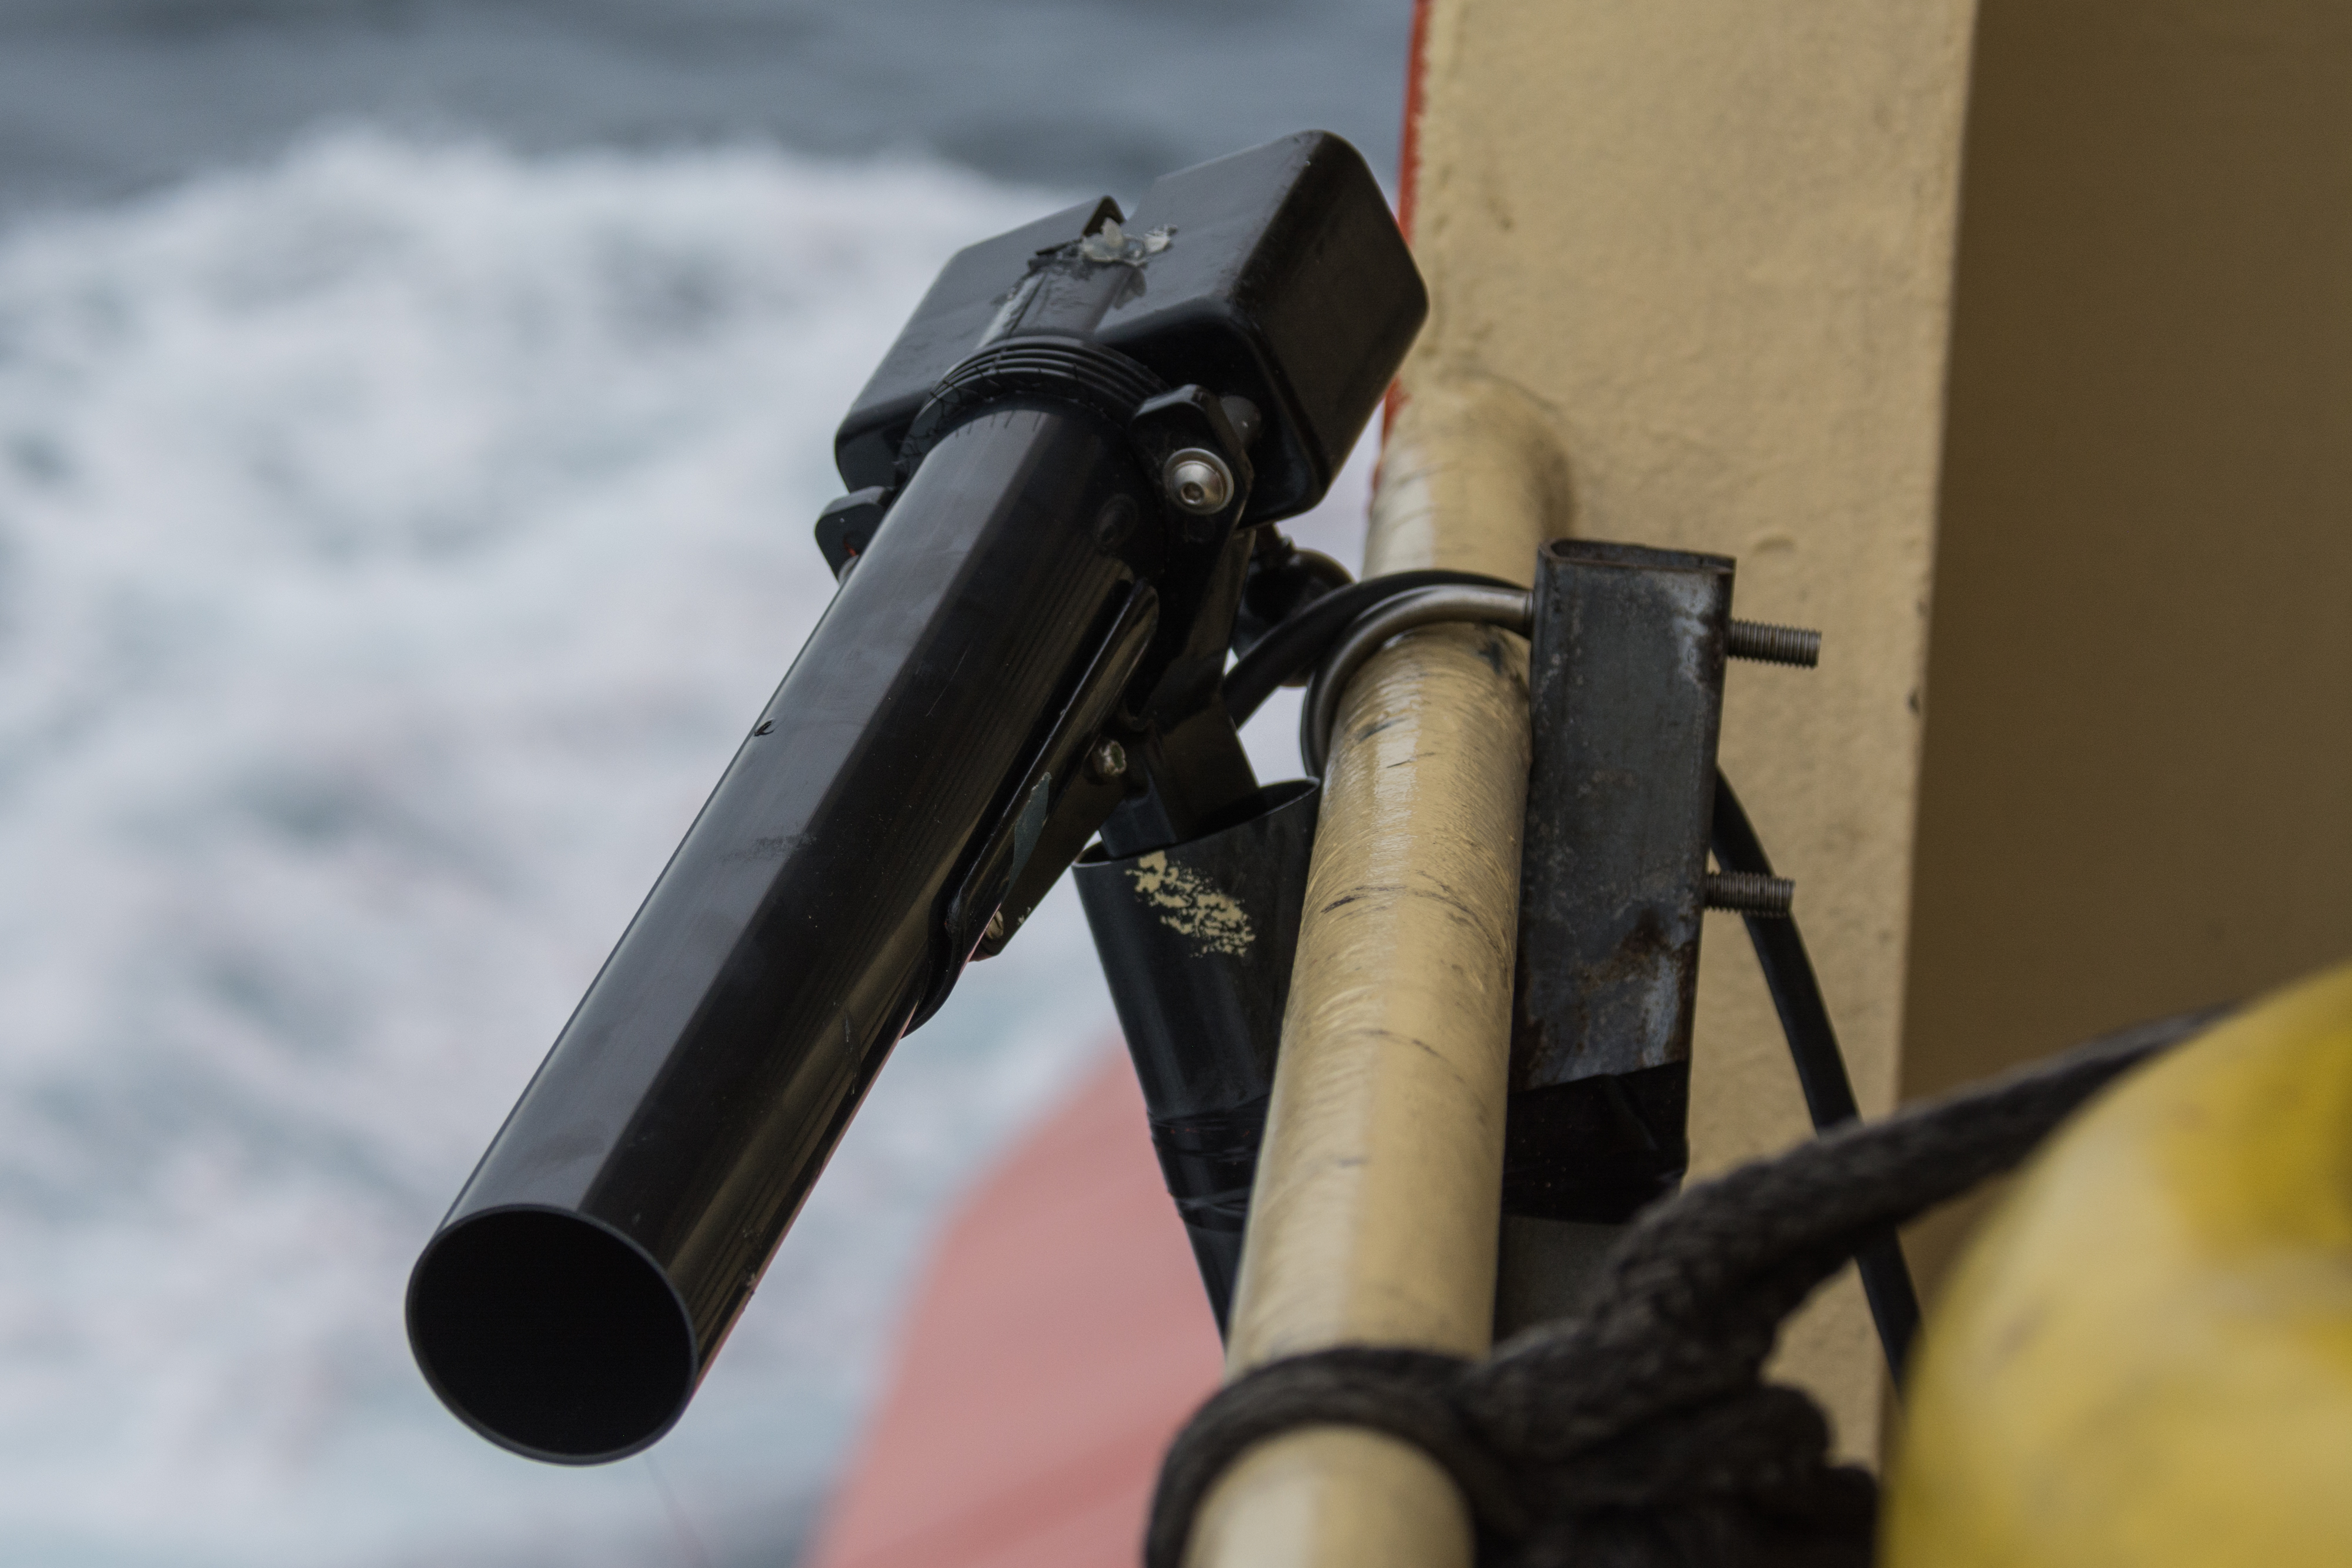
[{"x": 1377, "y": 1205}]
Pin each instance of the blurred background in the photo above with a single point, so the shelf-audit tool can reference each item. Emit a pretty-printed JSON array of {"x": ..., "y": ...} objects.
[{"x": 411, "y": 416}]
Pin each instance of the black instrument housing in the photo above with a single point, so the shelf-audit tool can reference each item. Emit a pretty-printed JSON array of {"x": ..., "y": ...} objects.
[
  {"x": 1285, "y": 282},
  {"x": 1019, "y": 602}
]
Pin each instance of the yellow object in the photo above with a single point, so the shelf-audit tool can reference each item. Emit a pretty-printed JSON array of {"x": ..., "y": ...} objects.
[{"x": 2147, "y": 1359}]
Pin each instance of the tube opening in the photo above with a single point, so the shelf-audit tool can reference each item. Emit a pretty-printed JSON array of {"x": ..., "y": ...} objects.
[{"x": 550, "y": 1335}]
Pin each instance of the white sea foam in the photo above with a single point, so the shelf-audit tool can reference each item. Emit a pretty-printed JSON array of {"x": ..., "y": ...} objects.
[{"x": 395, "y": 540}]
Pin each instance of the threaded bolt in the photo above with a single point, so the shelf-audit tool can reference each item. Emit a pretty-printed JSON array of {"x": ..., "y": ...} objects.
[
  {"x": 1769, "y": 644},
  {"x": 1746, "y": 892}
]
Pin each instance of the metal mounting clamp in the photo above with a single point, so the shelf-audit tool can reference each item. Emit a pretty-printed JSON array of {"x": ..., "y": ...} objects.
[
  {"x": 1748, "y": 639},
  {"x": 1422, "y": 607}
]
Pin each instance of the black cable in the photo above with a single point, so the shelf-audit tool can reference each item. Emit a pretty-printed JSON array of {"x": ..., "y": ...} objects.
[
  {"x": 1821, "y": 1066},
  {"x": 1301, "y": 638}
]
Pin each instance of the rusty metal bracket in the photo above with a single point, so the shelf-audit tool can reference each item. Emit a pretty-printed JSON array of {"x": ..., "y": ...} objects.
[{"x": 1626, "y": 696}]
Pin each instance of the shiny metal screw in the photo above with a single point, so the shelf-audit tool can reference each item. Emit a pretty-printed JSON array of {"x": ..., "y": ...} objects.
[
  {"x": 1745, "y": 892},
  {"x": 1773, "y": 644},
  {"x": 1198, "y": 481},
  {"x": 1106, "y": 761},
  {"x": 995, "y": 932}
]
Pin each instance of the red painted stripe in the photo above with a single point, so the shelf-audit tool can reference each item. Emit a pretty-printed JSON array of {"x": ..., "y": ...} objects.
[
  {"x": 1408, "y": 171},
  {"x": 1408, "y": 155},
  {"x": 1060, "y": 1339}
]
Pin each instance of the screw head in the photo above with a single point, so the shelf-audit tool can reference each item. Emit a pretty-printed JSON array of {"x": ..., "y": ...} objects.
[
  {"x": 1106, "y": 761},
  {"x": 1198, "y": 481},
  {"x": 995, "y": 932}
]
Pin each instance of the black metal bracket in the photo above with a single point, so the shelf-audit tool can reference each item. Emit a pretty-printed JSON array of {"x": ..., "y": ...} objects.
[
  {"x": 1625, "y": 698},
  {"x": 1196, "y": 940}
]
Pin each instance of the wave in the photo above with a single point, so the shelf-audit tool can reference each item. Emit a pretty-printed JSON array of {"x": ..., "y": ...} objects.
[{"x": 395, "y": 539}]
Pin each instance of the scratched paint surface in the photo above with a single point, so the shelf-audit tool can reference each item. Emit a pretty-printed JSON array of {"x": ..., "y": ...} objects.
[{"x": 1191, "y": 906}]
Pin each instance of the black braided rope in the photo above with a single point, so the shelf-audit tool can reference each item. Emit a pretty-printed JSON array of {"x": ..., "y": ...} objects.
[{"x": 1641, "y": 1434}]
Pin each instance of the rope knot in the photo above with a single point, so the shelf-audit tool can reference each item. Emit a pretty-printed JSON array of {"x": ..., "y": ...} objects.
[{"x": 1672, "y": 1490}]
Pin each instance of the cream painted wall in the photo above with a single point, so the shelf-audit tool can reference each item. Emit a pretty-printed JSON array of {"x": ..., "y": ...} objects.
[
  {"x": 2139, "y": 785},
  {"x": 1712, "y": 244},
  {"x": 1715, "y": 247}
]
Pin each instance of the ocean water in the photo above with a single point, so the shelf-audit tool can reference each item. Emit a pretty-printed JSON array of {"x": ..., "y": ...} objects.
[
  {"x": 396, "y": 532},
  {"x": 100, "y": 97}
]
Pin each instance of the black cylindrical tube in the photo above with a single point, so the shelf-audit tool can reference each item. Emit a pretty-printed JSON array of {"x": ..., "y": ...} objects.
[
  {"x": 587, "y": 1274},
  {"x": 1197, "y": 941}
]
